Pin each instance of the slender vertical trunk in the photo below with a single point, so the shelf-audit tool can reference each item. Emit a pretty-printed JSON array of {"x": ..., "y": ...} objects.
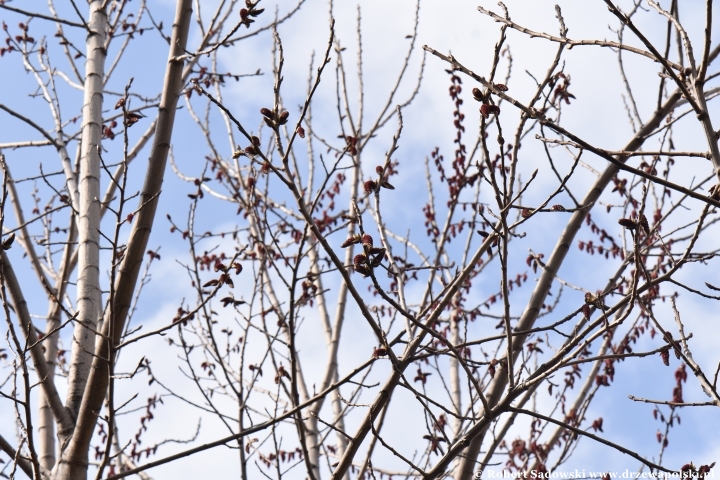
[
  {"x": 46, "y": 421},
  {"x": 73, "y": 462},
  {"x": 455, "y": 388},
  {"x": 88, "y": 282},
  {"x": 339, "y": 422}
]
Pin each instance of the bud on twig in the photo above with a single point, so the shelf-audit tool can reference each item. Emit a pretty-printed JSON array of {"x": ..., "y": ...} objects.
[
  {"x": 486, "y": 110},
  {"x": 627, "y": 223},
  {"x": 367, "y": 240}
]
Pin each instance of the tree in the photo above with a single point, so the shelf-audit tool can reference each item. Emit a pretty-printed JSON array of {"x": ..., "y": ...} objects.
[{"x": 327, "y": 324}]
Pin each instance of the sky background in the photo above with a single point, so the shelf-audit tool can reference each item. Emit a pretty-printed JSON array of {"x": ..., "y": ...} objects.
[{"x": 597, "y": 115}]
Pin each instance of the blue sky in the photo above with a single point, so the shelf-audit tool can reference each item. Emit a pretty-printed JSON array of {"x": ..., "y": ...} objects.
[{"x": 597, "y": 115}]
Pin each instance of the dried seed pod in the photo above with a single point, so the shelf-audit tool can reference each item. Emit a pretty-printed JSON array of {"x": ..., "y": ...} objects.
[{"x": 132, "y": 118}]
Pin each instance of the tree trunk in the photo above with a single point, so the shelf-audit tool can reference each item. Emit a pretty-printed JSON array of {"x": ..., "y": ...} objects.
[
  {"x": 88, "y": 282},
  {"x": 73, "y": 462}
]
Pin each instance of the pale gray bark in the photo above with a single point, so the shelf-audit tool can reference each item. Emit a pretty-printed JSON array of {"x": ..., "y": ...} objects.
[
  {"x": 36, "y": 353},
  {"x": 73, "y": 462},
  {"x": 46, "y": 420},
  {"x": 22, "y": 463},
  {"x": 88, "y": 281}
]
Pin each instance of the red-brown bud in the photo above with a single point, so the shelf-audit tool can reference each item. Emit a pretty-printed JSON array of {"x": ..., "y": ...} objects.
[
  {"x": 486, "y": 110},
  {"x": 301, "y": 132},
  {"x": 352, "y": 240},
  {"x": 367, "y": 240},
  {"x": 665, "y": 355},
  {"x": 283, "y": 117},
  {"x": 379, "y": 352},
  {"x": 369, "y": 186},
  {"x": 362, "y": 270},
  {"x": 266, "y": 112}
]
